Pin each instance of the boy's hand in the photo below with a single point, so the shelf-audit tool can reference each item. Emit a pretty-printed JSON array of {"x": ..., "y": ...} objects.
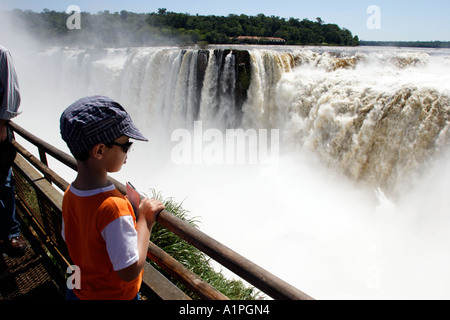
[{"x": 149, "y": 209}]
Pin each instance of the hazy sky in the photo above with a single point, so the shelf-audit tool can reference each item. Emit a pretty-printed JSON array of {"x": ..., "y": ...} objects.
[{"x": 407, "y": 20}]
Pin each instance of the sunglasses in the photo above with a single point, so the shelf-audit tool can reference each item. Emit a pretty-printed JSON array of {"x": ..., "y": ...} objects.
[{"x": 125, "y": 147}]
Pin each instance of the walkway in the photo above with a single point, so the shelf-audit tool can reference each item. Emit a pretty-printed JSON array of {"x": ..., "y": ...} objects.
[{"x": 27, "y": 277}]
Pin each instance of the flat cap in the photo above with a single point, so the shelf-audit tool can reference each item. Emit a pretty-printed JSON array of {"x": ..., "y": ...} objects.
[{"x": 93, "y": 120}]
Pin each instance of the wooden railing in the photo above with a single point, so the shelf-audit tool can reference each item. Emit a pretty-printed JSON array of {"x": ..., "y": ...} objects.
[{"x": 247, "y": 270}]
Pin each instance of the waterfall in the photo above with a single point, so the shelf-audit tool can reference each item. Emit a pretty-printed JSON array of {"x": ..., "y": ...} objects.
[{"x": 377, "y": 116}]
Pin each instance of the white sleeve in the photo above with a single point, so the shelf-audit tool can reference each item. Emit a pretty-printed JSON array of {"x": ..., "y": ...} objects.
[{"x": 121, "y": 242}]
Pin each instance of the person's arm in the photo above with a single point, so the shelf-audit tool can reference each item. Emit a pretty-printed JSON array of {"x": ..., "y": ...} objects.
[
  {"x": 10, "y": 93},
  {"x": 3, "y": 130},
  {"x": 148, "y": 211}
]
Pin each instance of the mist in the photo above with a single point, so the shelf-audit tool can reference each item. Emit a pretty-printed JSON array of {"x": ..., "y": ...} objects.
[{"x": 311, "y": 223}]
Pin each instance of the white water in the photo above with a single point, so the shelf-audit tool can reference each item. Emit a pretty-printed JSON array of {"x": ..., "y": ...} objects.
[{"x": 359, "y": 206}]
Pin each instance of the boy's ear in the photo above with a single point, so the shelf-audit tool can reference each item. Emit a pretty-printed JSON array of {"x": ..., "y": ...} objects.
[{"x": 97, "y": 151}]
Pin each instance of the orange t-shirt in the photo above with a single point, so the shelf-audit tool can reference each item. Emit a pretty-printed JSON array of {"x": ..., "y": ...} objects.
[{"x": 85, "y": 217}]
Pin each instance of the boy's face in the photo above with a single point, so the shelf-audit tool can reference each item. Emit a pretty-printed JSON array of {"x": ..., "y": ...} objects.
[{"x": 115, "y": 157}]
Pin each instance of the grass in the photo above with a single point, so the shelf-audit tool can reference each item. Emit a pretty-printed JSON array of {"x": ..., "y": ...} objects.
[{"x": 194, "y": 259}]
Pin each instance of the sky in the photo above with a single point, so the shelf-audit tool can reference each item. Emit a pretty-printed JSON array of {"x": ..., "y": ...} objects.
[{"x": 376, "y": 20}]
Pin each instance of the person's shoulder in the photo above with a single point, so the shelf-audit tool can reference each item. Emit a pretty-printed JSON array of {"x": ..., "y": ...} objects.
[
  {"x": 116, "y": 201},
  {"x": 4, "y": 52},
  {"x": 113, "y": 207}
]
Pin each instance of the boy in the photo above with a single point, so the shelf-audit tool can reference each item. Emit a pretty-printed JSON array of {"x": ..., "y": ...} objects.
[{"x": 99, "y": 226}]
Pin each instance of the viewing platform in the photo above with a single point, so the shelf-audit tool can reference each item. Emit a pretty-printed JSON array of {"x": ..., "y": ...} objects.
[{"x": 41, "y": 273}]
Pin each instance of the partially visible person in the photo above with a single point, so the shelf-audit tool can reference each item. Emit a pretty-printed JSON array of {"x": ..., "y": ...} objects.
[{"x": 9, "y": 109}]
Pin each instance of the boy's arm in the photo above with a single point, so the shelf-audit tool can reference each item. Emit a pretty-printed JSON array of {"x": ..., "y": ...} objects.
[{"x": 148, "y": 211}]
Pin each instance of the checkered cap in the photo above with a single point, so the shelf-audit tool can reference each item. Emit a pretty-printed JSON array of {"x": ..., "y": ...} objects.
[{"x": 94, "y": 120}]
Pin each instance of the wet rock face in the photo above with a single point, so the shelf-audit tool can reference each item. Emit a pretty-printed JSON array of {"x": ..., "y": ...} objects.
[
  {"x": 244, "y": 76},
  {"x": 242, "y": 73}
]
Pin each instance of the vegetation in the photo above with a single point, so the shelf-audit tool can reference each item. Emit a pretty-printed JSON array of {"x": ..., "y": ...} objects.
[
  {"x": 413, "y": 44},
  {"x": 169, "y": 28},
  {"x": 194, "y": 259}
]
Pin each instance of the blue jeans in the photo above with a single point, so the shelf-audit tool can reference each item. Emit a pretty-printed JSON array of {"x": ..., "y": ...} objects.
[{"x": 9, "y": 226}]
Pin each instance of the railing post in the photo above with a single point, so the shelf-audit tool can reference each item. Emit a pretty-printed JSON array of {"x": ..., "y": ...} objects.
[{"x": 43, "y": 158}]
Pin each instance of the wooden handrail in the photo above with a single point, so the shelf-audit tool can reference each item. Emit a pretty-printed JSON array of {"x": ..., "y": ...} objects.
[
  {"x": 181, "y": 273},
  {"x": 46, "y": 147},
  {"x": 44, "y": 169},
  {"x": 249, "y": 271}
]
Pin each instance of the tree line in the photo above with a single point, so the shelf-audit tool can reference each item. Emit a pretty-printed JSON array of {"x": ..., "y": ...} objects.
[
  {"x": 410, "y": 44},
  {"x": 169, "y": 28}
]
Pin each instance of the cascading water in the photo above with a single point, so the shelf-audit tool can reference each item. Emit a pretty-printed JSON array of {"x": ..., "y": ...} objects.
[{"x": 358, "y": 206}]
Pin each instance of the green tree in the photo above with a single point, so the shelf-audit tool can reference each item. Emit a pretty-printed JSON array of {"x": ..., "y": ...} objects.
[{"x": 164, "y": 27}]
